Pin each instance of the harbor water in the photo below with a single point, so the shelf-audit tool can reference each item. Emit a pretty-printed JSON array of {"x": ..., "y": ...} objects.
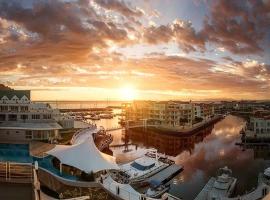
[{"x": 201, "y": 154}]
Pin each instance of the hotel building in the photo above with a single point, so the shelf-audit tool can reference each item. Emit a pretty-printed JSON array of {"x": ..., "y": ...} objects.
[{"x": 22, "y": 120}]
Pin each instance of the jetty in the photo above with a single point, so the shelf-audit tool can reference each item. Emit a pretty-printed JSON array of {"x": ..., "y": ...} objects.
[{"x": 165, "y": 175}]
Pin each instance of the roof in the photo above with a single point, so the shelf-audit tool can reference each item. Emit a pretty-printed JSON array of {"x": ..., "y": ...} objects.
[
  {"x": 12, "y": 93},
  {"x": 30, "y": 125},
  {"x": 84, "y": 156}
]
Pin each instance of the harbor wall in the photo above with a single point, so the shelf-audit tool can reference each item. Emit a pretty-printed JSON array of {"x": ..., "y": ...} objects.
[{"x": 179, "y": 131}]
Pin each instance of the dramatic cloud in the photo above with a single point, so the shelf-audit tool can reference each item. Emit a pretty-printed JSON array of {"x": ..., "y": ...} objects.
[
  {"x": 179, "y": 31},
  {"x": 120, "y": 6},
  {"x": 112, "y": 43},
  {"x": 60, "y": 32},
  {"x": 238, "y": 26}
]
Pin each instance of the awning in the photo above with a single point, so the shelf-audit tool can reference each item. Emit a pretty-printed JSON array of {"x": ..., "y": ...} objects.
[{"x": 84, "y": 156}]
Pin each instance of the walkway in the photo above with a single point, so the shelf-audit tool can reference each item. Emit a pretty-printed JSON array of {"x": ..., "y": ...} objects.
[{"x": 83, "y": 134}]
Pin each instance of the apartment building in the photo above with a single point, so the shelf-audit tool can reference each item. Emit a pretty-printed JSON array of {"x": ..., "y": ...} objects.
[{"x": 168, "y": 113}]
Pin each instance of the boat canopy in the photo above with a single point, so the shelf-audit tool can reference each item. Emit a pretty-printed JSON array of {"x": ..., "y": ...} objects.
[
  {"x": 84, "y": 156},
  {"x": 143, "y": 164}
]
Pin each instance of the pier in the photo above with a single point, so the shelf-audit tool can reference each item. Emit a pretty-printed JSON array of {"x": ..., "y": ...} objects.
[{"x": 165, "y": 175}]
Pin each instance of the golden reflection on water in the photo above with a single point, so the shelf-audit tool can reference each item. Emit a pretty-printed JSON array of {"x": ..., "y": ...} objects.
[{"x": 201, "y": 154}]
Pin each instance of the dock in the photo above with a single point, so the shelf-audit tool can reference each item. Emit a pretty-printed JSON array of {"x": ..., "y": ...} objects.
[
  {"x": 166, "y": 174},
  {"x": 204, "y": 192}
]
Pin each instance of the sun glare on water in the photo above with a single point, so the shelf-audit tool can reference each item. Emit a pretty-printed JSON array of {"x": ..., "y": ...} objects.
[{"x": 128, "y": 93}]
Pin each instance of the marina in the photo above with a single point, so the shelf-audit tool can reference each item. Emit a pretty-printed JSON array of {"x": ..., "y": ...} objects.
[
  {"x": 201, "y": 155},
  {"x": 140, "y": 162}
]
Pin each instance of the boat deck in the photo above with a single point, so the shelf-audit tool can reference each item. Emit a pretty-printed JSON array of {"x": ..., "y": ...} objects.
[
  {"x": 204, "y": 192},
  {"x": 165, "y": 175}
]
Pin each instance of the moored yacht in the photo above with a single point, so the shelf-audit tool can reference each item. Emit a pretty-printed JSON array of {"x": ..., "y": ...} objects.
[
  {"x": 95, "y": 117},
  {"x": 106, "y": 116},
  {"x": 157, "y": 189},
  {"x": 143, "y": 167},
  {"x": 218, "y": 187}
]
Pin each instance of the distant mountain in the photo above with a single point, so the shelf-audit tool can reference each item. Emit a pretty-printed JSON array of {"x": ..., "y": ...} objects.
[{"x": 3, "y": 87}]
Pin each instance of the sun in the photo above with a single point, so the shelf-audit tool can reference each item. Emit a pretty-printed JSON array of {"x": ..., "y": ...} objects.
[{"x": 128, "y": 93}]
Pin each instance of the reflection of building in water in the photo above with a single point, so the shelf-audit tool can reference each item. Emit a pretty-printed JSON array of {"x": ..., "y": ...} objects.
[
  {"x": 169, "y": 144},
  {"x": 262, "y": 153},
  {"x": 259, "y": 151}
]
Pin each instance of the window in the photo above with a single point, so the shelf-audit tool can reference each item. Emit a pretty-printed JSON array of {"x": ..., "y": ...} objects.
[
  {"x": 3, "y": 108},
  {"x": 24, "y": 108},
  {"x": 12, "y": 117},
  {"x": 2, "y": 117},
  {"x": 35, "y": 116},
  {"x": 47, "y": 116},
  {"x": 28, "y": 135},
  {"x": 14, "y": 108},
  {"x": 24, "y": 117}
]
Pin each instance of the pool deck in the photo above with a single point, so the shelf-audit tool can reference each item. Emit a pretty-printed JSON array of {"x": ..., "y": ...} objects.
[{"x": 39, "y": 149}]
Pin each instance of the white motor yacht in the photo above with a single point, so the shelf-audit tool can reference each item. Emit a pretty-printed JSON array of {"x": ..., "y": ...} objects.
[
  {"x": 223, "y": 185},
  {"x": 143, "y": 167}
]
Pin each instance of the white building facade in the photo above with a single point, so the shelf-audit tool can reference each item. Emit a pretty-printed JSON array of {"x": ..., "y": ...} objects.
[{"x": 23, "y": 120}]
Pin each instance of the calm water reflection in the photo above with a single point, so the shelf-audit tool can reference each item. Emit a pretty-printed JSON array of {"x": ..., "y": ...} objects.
[{"x": 201, "y": 155}]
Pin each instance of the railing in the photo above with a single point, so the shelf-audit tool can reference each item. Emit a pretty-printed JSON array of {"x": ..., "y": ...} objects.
[
  {"x": 105, "y": 143},
  {"x": 126, "y": 192},
  {"x": 16, "y": 172},
  {"x": 79, "y": 132},
  {"x": 118, "y": 190}
]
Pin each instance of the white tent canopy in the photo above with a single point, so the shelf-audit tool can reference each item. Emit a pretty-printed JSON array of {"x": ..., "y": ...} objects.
[{"x": 84, "y": 156}]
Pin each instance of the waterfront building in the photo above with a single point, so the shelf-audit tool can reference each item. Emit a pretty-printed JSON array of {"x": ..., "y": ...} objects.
[
  {"x": 204, "y": 110},
  {"x": 168, "y": 114},
  {"x": 260, "y": 122},
  {"x": 22, "y": 120},
  {"x": 218, "y": 107}
]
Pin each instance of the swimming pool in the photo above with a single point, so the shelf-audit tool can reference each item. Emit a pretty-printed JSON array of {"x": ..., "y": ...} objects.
[
  {"x": 15, "y": 153},
  {"x": 19, "y": 153}
]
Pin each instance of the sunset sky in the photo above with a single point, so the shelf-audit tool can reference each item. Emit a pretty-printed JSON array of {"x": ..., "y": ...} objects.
[{"x": 143, "y": 49}]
